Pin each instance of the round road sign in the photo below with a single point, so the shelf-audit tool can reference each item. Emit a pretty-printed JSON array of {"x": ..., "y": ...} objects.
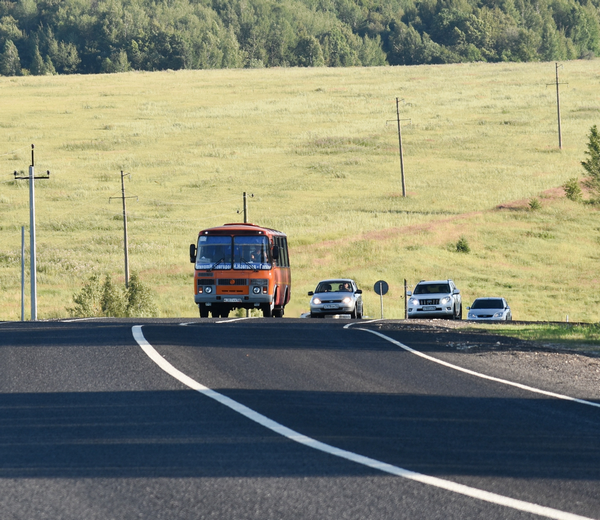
[{"x": 381, "y": 287}]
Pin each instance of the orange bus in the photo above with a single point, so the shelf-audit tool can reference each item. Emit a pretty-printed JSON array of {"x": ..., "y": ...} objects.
[{"x": 241, "y": 266}]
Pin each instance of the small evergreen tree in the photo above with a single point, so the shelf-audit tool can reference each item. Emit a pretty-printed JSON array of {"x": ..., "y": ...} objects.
[
  {"x": 592, "y": 164},
  {"x": 10, "y": 64},
  {"x": 37, "y": 66}
]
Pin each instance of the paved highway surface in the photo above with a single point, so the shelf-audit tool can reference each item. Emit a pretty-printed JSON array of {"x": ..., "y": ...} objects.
[{"x": 277, "y": 419}]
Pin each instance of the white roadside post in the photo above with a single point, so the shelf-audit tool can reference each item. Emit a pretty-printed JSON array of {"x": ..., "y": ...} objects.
[{"x": 32, "y": 245}]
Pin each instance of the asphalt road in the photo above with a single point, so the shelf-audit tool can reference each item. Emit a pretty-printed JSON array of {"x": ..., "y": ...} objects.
[{"x": 285, "y": 419}]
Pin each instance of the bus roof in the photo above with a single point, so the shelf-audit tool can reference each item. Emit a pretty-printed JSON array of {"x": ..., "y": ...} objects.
[{"x": 240, "y": 228}]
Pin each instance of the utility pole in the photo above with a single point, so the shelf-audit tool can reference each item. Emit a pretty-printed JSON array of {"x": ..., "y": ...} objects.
[
  {"x": 32, "y": 247},
  {"x": 246, "y": 206},
  {"x": 558, "y": 104},
  {"x": 125, "y": 243},
  {"x": 22, "y": 273},
  {"x": 398, "y": 121},
  {"x": 400, "y": 148}
]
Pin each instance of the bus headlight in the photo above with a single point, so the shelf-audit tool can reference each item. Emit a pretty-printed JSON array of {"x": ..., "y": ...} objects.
[
  {"x": 208, "y": 289},
  {"x": 256, "y": 290}
]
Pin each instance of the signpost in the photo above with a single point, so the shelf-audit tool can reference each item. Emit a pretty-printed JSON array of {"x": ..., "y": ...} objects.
[{"x": 381, "y": 288}]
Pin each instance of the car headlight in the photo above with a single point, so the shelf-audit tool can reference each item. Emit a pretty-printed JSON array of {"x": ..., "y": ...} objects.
[
  {"x": 413, "y": 301},
  {"x": 471, "y": 315},
  {"x": 347, "y": 299},
  {"x": 499, "y": 314},
  {"x": 316, "y": 301},
  {"x": 445, "y": 300}
]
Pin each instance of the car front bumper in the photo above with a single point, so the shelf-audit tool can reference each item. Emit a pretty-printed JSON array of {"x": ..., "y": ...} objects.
[
  {"x": 438, "y": 312},
  {"x": 341, "y": 308}
]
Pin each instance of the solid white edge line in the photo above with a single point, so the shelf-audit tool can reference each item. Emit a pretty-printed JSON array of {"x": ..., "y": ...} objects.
[
  {"x": 348, "y": 455},
  {"x": 361, "y": 323},
  {"x": 480, "y": 375}
]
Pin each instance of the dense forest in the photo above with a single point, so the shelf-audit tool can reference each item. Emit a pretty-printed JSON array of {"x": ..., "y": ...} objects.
[{"x": 95, "y": 36}]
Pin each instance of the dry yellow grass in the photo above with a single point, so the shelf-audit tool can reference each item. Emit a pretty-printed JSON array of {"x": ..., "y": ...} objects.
[{"x": 319, "y": 150}]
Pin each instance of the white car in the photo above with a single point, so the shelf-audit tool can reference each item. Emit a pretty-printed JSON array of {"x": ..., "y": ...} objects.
[
  {"x": 336, "y": 296},
  {"x": 489, "y": 309},
  {"x": 435, "y": 299}
]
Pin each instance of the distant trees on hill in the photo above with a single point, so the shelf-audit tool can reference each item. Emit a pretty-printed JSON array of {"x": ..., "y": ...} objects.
[{"x": 95, "y": 36}]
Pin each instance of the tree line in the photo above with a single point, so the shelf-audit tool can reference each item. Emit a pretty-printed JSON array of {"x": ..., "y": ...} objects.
[{"x": 102, "y": 36}]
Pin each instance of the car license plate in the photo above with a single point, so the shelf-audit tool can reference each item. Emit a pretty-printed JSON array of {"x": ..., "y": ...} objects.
[
  {"x": 330, "y": 306},
  {"x": 232, "y": 300},
  {"x": 429, "y": 308}
]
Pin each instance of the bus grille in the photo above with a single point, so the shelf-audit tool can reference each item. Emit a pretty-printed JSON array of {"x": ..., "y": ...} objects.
[{"x": 232, "y": 281}]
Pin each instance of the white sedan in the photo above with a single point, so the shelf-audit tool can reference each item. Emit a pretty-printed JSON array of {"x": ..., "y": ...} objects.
[
  {"x": 336, "y": 296},
  {"x": 489, "y": 309}
]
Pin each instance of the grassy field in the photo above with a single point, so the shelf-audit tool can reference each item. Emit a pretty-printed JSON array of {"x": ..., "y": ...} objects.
[
  {"x": 582, "y": 338},
  {"x": 318, "y": 148}
]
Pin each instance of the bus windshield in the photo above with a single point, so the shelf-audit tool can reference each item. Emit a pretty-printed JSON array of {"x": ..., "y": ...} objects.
[
  {"x": 214, "y": 252},
  {"x": 251, "y": 252}
]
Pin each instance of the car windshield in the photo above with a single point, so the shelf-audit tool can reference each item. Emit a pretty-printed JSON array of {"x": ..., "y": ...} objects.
[
  {"x": 334, "y": 286},
  {"x": 487, "y": 304},
  {"x": 432, "y": 288}
]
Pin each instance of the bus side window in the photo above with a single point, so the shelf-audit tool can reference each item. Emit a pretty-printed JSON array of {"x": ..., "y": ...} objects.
[{"x": 284, "y": 252}]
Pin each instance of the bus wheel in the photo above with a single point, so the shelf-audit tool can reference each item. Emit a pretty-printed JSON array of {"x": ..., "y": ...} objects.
[
  {"x": 267, "y": 310},
  {"x": 203, "y": 310},
  {"x": 278, "y": 312}
]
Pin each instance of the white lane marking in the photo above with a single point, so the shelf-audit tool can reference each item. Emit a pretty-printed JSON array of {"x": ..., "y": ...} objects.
[
  {"x": 84, "y": 319},
  {"x": 231, "y": 320},
  {"x": 482, "y": 376},
  {"x": 228, "y": 320},
  {"x": 360, "y": 323},
  {"x": 348, "y": 455}
]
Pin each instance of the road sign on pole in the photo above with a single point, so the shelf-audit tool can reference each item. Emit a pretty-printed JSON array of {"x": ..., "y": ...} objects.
[{"x": 381, "y": 287}]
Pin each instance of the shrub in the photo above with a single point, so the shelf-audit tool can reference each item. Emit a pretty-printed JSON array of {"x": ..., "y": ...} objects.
[
  {"x": 87, "y": 302},
  {"x": 534, "y": 204},
  {"x": 572, "y": 189},
  {"x": 110, "y": 300},
  {"x": 462, "y": 246},
  {"x": 139, "y": 299}
]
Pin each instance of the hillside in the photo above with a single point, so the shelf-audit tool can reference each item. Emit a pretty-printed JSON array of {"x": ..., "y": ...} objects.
[
  {"x": 318, "y": 148},
  {"x": 42, "y": 37}
]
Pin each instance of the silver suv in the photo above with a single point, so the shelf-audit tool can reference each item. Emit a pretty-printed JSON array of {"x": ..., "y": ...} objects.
[{"x": 435, "y": 299}]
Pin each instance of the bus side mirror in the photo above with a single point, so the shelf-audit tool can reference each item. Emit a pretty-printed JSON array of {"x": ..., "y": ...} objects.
[
  {"x": 192, "y": 253},
  {"x": 275, "y": 252}
]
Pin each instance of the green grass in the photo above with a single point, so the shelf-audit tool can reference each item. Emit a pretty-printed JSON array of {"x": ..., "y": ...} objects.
[
  {"x": 318, "y": 148},
  {"x": 574, "y": 336}
]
